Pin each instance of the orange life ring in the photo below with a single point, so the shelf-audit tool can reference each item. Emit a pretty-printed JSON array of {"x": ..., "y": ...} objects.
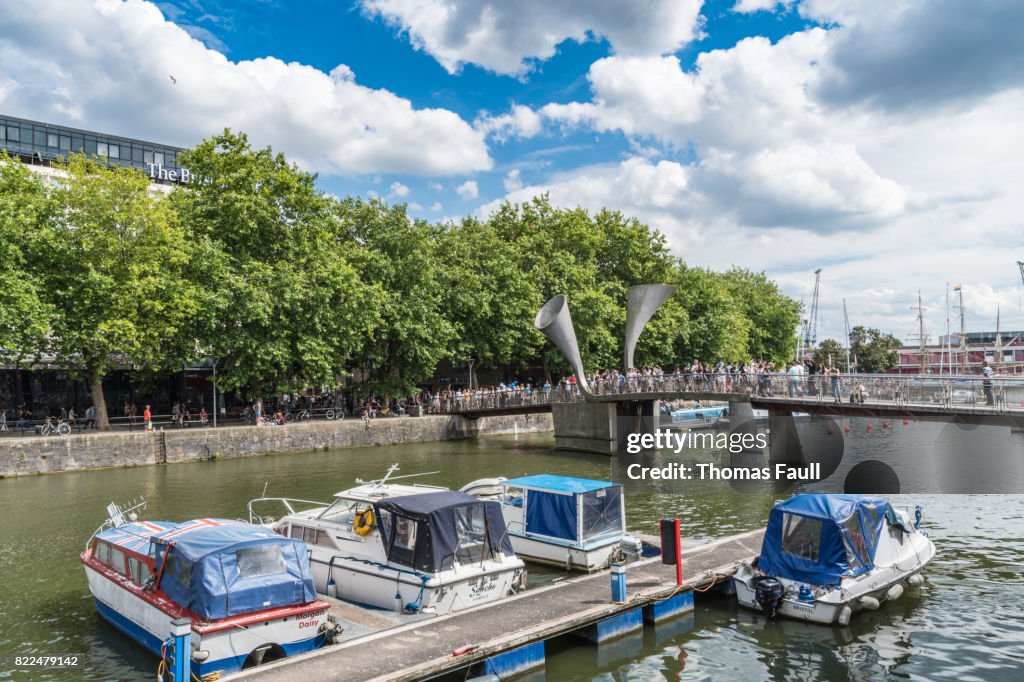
[{"x": 363, "y": 523}]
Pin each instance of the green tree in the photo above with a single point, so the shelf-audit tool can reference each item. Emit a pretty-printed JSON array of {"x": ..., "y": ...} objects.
[
  {"x": 875, "y": 352},
  {"x": 718, "y": 329},
  {"x": 398, "y": 257},
  {"x": 25, "y": 210},
  {"x": 773, "y": 316},
  {"x": 487, "y": 296},
  {"x": 830, "y": 352},
  {"x": 286, "y": 307},
  {"x": 113, "y": 260}
]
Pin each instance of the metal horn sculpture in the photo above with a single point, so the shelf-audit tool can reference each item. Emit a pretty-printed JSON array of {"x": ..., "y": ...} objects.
[
  {"x": 644, "y": 301},
  {"x": 554, "y": 322}
]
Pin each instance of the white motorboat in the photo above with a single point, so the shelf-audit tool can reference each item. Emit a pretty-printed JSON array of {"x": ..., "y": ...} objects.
[
  {"x": 247, "y": 591},
  {"x": 407, "y": 548},
  {"x": 576, "y": 523},
  {"x": 825, "y": 557}
]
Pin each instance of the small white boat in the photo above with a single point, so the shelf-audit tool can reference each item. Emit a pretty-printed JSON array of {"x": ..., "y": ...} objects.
[
  {"x": 825, "y": 557},
  {"x": 576, "y": 523},
  {"x": 247, "y": 590},
  {"x": 407, "y": 548}
]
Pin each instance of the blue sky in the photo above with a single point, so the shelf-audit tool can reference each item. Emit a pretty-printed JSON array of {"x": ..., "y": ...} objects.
[{"x": 877, "y": 140}]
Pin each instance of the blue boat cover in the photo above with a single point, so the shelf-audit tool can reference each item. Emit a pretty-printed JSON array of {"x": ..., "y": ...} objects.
[
  {"x": 430, "y": 531},
  {"x": 567, "y": 485},
  {"x": 554, "y": 515},
  {"x": 820, "y": 539},
  {"x": 219, "y": 568}
]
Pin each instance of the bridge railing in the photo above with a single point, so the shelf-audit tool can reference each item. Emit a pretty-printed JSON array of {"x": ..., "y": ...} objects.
[{"x": 961, "y": 393}]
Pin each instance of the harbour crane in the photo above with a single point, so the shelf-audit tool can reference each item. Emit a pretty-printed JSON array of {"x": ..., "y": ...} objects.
[{"x": 811, "y": 324}]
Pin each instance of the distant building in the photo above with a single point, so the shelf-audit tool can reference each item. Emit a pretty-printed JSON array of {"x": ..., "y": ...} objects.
[
  {"x": 978, "y": 348},
  {"x": 38, "y": 145}
]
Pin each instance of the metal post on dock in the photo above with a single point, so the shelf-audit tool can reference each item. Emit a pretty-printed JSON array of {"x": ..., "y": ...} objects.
[
  {"x": 672, "y": 547},
  {"x": 618, "y": 583},
  {"x": 181, "y": 650}
]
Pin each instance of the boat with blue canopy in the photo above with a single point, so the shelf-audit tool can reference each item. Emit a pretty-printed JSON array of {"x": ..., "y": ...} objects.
[
  {"x": 226, "y": 577},
  {"x": 827, "y": 556},
  {"x": 577, "y": 523}
]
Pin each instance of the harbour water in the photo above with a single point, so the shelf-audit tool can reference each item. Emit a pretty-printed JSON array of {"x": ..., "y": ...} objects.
[{"x": 963, "y": 624}]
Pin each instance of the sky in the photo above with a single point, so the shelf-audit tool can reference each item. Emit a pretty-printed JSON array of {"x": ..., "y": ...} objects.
[{"x": 878, "y": 140}]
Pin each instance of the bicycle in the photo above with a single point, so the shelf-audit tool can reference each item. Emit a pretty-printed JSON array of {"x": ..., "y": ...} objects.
[
  {"x": 335, "y": 413},
  {"x": 301, "y": 415},
  {"x": 61, "y": 427}
]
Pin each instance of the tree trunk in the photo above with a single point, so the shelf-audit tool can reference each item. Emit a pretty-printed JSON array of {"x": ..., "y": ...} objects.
[{"x": 98, "y": 401}]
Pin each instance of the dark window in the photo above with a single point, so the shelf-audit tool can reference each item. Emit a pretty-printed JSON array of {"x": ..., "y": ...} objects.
[
  {"x": 77, "y": 143},
  {"x": 255, "y": 561},
  {"x": 472, "y": 534},
  {"x": 65, "y": 143},
  {"x": 39, "y": 138},
  {"x": 90, "y": 147},
  {"x": 3, "y": 133},
  {"x": 136, "y": 153},
  {"x": 801, "y": 537},
  {"x": 13, "y": 134}
]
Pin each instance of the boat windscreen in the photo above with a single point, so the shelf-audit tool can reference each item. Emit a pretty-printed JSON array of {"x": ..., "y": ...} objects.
[{"x": 602, "y": 513}]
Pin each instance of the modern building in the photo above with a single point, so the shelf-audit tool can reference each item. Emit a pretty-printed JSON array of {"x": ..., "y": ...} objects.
[
  {"x": 1004, "y": 352},
  {"x": 40, "y": 144}
]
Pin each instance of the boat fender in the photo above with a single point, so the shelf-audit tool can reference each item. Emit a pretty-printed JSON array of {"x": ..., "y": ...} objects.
[
  {"x": 806, "y": 593},
  {"x": 332, "y": 589},
  {"x": 844, "y": 615},
  {"x": 869, "y": 603},
  {"x": 915, "y": 580},
  {"x": 894, "y": 592},
  {"x": 363, "y": 523},
  {"x": 918, "y": 514},
  {"x": 769, "y": 593}
]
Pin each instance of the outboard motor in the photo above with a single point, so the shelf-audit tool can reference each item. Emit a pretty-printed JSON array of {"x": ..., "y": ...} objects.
[{"x": 769, "y": 592}]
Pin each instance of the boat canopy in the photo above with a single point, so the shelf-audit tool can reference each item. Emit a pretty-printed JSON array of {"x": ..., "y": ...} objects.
[
  {"x": 820, "y": 539},
  {"x": 431, "y": 531},
  {"x": 218, "y": 568},
  {"x": 573, "y": 509}
]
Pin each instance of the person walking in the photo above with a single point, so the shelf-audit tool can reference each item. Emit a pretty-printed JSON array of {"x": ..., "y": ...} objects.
[
  {"x": 147, "y": 418},
  {"x": 836, "y": 384},
  {"x": 986, "y": 384},
  {"x": 90, "y": 417}
]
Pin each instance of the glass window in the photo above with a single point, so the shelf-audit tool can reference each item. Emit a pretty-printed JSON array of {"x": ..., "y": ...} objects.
[
  {"x": 602, "y": 513},
  {"x": 801, "y": 537},
  {"x": 405, "y": 533},
  {"x": 143, "y": 573},
  {"x": 65, "y": 143},
  {"x": 102, "y": 552},
  {"x": 471, "y": 531},
  {"x": 39, "y": 138},
  {"x": 255, "y": 561},
  {"x": 77, "y": 143},
  {"x": 134, "y": 569},
  {"x": 114, "y": 151},
  {"x": 158, "y": 158},
  {"x": 51, "y": 139},
  {"x": 856, "y": 546},
  {"x": 90, "y": 147},
  {"x": 3, "y": 133},
  {"x": 147, "y": 156},
  {"x": 117, "y": 559},
  {"x": 296, "y": 532},
  {"x": 13, "y": 134},
  {"x": 136, "y": 153},
  {"x": 101, "y": 149}
]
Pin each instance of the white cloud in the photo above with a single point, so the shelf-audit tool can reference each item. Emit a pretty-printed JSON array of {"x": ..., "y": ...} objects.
[
  {"x": 104, "y": 65},
  {"x": 468, "y": 190},
  {"x": 750, "y": 6},
  {"x": 436, "y": 207},
  {"x": 521, "y": 122},
  {"x": 504, "y": 36},
  {"x": 398, "y": 190},
  {"x": 512, "y": 180}
]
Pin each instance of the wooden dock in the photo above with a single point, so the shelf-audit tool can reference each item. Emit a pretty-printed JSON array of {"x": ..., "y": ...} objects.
[{"x": 424, "y": 649}]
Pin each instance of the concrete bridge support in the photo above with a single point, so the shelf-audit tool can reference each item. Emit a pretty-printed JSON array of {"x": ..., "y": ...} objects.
[
  {"x": 784, "y": 445},
  {"x": 602, "y": 427}
]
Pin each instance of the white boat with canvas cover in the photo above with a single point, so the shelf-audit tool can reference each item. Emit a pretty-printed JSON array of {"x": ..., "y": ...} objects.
[
  {"x": 411, "y": 548},
  {"x": 825, "y": 557}
]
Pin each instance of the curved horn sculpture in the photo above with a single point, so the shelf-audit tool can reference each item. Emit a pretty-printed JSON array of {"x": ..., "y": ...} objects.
[
  {"x": 644, "y": 301},
  {"x": 554, "y": 322}
]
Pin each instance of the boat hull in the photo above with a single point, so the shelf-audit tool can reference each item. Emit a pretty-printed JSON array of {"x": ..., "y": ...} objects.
[
  {"x": 376, "y": 584},
  {"x": 563, "y": 555},
  {"x": 223, "y": 649}
]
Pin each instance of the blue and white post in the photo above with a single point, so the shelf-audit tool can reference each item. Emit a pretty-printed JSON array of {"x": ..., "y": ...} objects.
[
  {"x": 618, "y": 583},
  {"x": 181, "y": 649}
]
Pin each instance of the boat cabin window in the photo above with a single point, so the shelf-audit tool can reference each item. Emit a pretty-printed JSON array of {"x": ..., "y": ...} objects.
[
  {"x": 472, "y": 534},
  {"x": 403, "y": 545},
  {"x": 602, "y": 513},
  {"x": 856, "y": 548},
  {"x": 514, "y": 497},
  {"x": 254, "y": 561},
  {"x": 102, "y": 553},
  {"x": 138, "y": 570},
  {"x": 116, "y": 559},
  {"x": 801, "y": 537},
  {"x": 311, "y": 536}
]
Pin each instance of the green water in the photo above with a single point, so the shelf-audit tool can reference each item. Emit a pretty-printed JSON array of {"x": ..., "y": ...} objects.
[{"x": 964, "y": 624}]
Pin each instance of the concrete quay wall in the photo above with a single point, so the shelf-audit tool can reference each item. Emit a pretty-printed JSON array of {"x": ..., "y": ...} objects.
[{"x": 50, "y": 454}]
